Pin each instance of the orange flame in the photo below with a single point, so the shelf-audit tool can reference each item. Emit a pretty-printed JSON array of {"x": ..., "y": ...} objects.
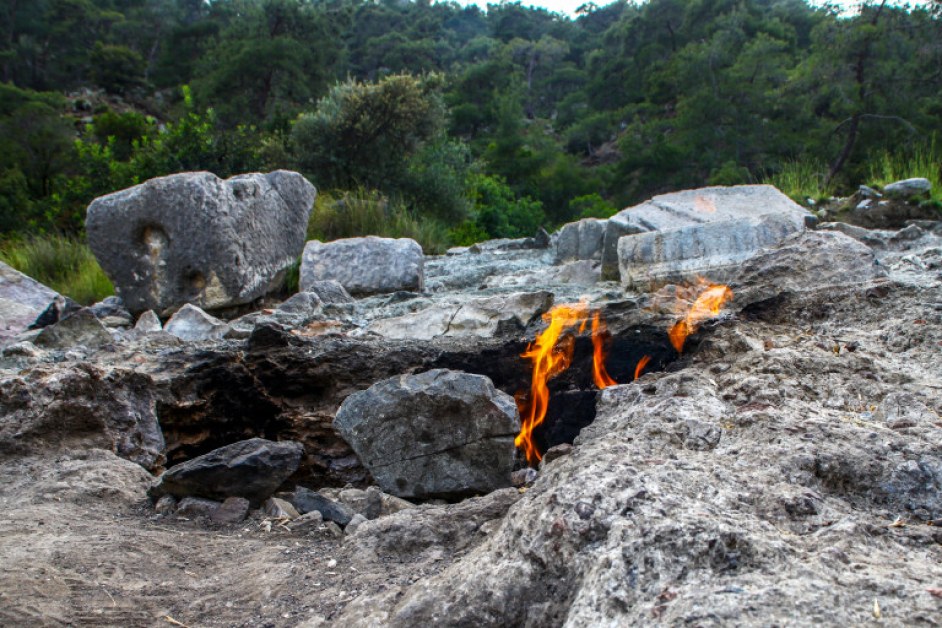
[
  {"x": 599, "y": 373},
  {"x": 643, "y": 362},
  {"x": 707, "y": 306},
  {"x": 551, "y": 354}
]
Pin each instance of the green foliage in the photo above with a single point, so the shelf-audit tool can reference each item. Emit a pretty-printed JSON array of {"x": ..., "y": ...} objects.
[
  {"x": 63, "y": 263},
  {"x": 361, "y": 212},
  {"x": 116, "y": 68},
  {"x": 364, "y": 133},
  {"x": 498, "y": 213},
  {"x": 591, "y": 206}
]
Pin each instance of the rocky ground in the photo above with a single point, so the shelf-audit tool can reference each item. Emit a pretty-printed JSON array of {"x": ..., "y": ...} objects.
[{"x": 786, "y": 470}]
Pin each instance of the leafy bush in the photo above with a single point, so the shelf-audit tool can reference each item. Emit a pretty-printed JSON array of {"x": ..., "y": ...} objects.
[
  {"x": 498, "y": 213},
  {"x": 591, "y": 206},
  {"x": 64, "y": 264},
  {"x": 361, "y": 212}
]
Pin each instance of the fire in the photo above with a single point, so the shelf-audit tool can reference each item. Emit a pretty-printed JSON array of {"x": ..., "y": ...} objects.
[
  {"x": 599, "y": 374},
  {"x": 551, "y": 354},
  {"x": 643, "y": 362},
  {"x": 707, "y": 306}
]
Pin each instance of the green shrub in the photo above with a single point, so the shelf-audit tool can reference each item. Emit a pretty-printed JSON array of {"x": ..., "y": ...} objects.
[
  {"x": 64, "y": 264},
  {"x": 361, "y": 212},
  {"x": 591, "y": 206}
]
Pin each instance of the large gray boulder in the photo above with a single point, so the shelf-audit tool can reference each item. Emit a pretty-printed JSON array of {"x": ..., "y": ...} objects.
[
  {"x": 438, "y": 433},
  {"x": 580, "y": 240},
  {"x": 369, "y": 265},
  {"x": 690, "y": 209},
  {"x": 706, "y": 232},
  {"x": 252, "y": 469},
  {"x": 22, "y": 299},
  {"x": 79, "y": 329},
  {"x": 196, "y": 238}
]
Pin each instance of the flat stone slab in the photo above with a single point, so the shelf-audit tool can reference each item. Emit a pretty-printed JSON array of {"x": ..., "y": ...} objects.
[
  {"x": 708, "y": 231},
  {"x": 439, "y": 433}
]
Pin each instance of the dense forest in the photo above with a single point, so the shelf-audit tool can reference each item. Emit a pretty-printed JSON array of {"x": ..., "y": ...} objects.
[{"x": 453, "y": 122}]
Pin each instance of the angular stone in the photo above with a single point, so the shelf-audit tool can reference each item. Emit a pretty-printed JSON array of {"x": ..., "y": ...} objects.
[
  {"x": 483, "y": 317},
  {"x": 112, "y": 313},
  {"x": 302, "y": 303},
  {"x": 580, "y": 240},
  {"x": 435, "y": 434},
  {"x": 22, "y": 299},
  {"x": 192, "y": 323},
  {"x": 700, "y": 207},
  {"x": 195, "y": 238},
  {"x": 355, "y": 522},
  {"x": 232, "y": 510},
  {"x": 79, "y": 329},
  {"x": 369, "y": 265},
  {"x": 368, "y": 503},
  {"x": 251, "y": 468},
  {"x": 330, "y": 292},
  {"x": 148, "y": 322},
  {"x": 280, "y": 509},
  {"x": 908, "y": 187},
  {"x": 714, "y": 250},
  {"x": 307, "y": 522},
  {"x": 305, "y": 500},
  {"x": 196, "y": 507}
]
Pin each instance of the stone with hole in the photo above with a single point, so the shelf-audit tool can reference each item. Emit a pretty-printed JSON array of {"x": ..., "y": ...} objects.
[{"x": 195, "y": 238}]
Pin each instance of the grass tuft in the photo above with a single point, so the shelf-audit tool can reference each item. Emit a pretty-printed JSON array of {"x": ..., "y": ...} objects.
[
  {"x": 801, "y": 180},
  {"x": 923, "y": 160},
  {"x": 63, "y": 263},
  {"x": 350, "y": 214}
]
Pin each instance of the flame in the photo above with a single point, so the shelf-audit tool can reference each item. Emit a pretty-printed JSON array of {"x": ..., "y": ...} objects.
[
  {"x": 643, "y": 362},
  {"x": 707, "y": 306},
  {"x": 551, "y": 353},
  {"x": 599, "y": 373}
]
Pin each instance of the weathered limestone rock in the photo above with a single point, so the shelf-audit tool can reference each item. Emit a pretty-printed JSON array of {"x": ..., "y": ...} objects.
[
  {"x": 483, "y": 317},
  {"x": 79, "y": 407},
  {"x": 438, "y": 433},
  {"x": 251, "y": 468},
  {"x": 692, "y": 208},
  {"x": 367, "y": 265},
  {"x": 894, "y": 213},
  {"x": 79, "y": 329},
  {"x": 192, "y": 323},
  {"x": 22, "y": 299},
  {"x": 280, "y": 509},
  {"x": 714, "y": 250},
  {"x": 817, "y": 261},
  {"x": 908, "y": 187},
  {"x": 195, "y": 238},
  {"x": 580, "y": 240}
]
